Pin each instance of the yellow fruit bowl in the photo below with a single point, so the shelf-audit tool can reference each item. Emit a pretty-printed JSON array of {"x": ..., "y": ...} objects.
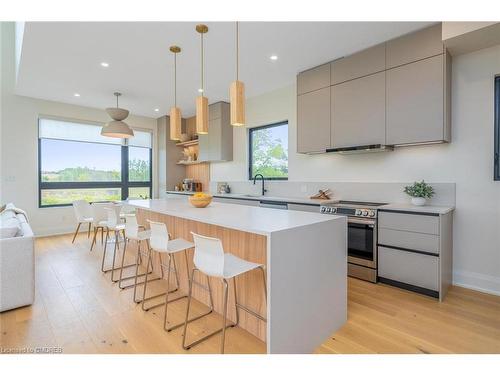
[{"x": 200, "y": 201}]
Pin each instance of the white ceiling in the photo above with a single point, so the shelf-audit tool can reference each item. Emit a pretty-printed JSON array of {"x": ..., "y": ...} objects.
[{"x": 61, "y": 58}]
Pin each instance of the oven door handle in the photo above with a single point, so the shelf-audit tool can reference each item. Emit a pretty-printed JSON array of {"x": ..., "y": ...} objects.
[{"x": 370, "y": 223}]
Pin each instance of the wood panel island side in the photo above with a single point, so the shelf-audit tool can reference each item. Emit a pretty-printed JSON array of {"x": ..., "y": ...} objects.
[{"x": 305, "y": 257}]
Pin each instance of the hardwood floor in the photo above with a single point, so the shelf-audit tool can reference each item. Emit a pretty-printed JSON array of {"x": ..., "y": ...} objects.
[{"x": 79, "y": 310}]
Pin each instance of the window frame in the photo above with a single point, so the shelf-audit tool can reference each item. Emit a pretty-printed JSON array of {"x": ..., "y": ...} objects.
[
  {"x": 124, "y": 184},
  {"x": 496, "y": 151},
  {"x": 250, "y": 141}
]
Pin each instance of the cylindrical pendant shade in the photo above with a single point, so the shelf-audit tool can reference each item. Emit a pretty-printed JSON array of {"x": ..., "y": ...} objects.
[
  {"x": 175, "y": 123},
  {"x": 201, "y": 115},
  {"x": 237, "y": 98}
]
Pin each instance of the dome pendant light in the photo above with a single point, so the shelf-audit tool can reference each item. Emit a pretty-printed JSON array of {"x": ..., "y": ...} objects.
[
  {"x": 117, "y": 128},
  {"x": 175, "y": 112},
  {"x": 237, "y": 90},
  {"x": 202, "y": 101}
]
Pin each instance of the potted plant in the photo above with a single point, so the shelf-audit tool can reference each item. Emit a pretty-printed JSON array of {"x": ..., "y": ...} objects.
[{"x": 419, "y": 192}]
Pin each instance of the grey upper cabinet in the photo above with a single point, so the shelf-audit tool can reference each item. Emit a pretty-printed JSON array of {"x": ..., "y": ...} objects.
[
  {"x": 217, "y": 145},
  {"x": 358, "y": 112},
  {"x": 313, "y": 79},
  {"x": 313, "y": 121},
  {"x": 416, "y": 110},
  {"x": 369, "y": 61},
  {"x": 415, "y": 46}
]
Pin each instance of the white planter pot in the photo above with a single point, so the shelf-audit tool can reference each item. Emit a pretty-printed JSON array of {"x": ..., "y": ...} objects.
[{"x": 418, "y": 201}]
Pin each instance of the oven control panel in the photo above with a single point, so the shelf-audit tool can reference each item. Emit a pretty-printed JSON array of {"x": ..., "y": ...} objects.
[{"x": 358, "y": 212}]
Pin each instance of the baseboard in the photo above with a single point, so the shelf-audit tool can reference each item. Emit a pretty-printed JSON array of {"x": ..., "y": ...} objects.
[
  {"x": 55, "y": 232},
  {"x": 477, "y": 281}
]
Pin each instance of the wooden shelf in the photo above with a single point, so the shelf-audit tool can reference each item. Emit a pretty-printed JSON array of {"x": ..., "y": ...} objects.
[
  {"x": 194, "y": 142},
  {"x": 184, "y": 162}
]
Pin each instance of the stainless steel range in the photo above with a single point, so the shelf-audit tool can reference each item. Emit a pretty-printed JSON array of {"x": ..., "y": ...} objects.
[{"x": 361, "y": 238}]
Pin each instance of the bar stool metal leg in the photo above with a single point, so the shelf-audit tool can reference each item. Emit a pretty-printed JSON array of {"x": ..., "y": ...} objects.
[
  {"x": 121, "y": 278},
  {"x": 167, "y": 301},
  {"x": 186, "y": 321},
  {"x": 144, "y": 299}
]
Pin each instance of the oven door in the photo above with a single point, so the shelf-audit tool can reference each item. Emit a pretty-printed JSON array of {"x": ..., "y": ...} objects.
[{"x": 362, "y": 242}]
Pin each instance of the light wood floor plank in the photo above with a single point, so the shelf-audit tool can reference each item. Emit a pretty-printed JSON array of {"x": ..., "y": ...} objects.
[{"x": 78, "y": 309}]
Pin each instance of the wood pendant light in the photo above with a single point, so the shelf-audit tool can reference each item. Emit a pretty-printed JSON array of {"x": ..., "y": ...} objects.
[
  {"x": 175, "y": 112},
  {"x": 202, "y": 101},
  {"x": 237, "y": 90}
]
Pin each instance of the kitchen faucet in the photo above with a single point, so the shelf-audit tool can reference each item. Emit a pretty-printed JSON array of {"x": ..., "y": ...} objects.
[{"x": 262, "y": 178}]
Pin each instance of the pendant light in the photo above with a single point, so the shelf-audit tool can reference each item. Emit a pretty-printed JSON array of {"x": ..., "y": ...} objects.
[
  {"x": 117, "y": 128},
  {"x": 237, "y": 90},
  {"x": 175, "y": 112},
  {"x": 202, "y": 101}
]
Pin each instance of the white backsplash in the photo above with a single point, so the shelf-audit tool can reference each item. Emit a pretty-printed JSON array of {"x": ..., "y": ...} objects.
[{"x": 384, "y": 192}]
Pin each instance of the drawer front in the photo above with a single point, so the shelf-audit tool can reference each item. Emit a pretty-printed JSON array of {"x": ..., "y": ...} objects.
[
  {"x": 244, "y": 202},
  {"x": 409, "y": 240},
  {"x": 409, "y": 222},
  {"x": 313, "y": 79},
  {"x": 410, "y": 268},
  {"x": 303, "y": 207}
]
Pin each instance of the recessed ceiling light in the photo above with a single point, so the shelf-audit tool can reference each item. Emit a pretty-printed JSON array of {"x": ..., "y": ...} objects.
[
  {"x": 157, "y": 110},
  {"x": 104, "y": 64},
  {"x": 76, "y": 95},
  {"x": 200, "y": 90},
  {"x": 274, "y": 57}
]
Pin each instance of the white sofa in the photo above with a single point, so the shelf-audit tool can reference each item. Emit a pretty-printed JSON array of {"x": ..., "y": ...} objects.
[{"x": 17, "y": 260}]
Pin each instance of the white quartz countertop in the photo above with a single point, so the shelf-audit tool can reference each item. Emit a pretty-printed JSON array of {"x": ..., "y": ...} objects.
[
  {"x": 257, "y": 220},
  {"x": 298, "y": 200},
  {"x": 440, "y": 210}
]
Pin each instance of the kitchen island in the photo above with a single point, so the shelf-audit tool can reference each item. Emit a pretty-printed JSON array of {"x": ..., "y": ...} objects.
[{"x": 305, "y": 258}]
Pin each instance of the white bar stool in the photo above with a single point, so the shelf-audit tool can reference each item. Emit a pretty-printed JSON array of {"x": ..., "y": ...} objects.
[
  {"x": 114, "y": 224},
  {"x": 133, "y": 232},
  {"x": 99, "y": 217},
  {"x": 162, "y": 244},
  {"x": 210, "y": 259},
  {"x": 83, "y": 216}
]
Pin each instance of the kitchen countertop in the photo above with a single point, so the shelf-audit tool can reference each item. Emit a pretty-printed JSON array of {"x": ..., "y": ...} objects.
[
  {"x": 440, "y": 210},
  {"x": 257, "y": 220},
  {"x": 298, "y": 200}
]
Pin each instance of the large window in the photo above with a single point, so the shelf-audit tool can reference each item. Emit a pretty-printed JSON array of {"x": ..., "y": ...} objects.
[
  {"x": 496, "y": 172},
  {"x": 76, "y": 162},
  {"x": 268, "y": 151}
]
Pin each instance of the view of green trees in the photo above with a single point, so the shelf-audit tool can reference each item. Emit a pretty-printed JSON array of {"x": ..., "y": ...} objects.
[
  {"x": 270, "y": 152},
  {"x": 139, "y": 170}
]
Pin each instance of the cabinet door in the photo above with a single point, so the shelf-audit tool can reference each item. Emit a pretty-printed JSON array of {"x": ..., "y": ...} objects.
[
  {"x": 204, "y": 146},
  {"x": 415, "y": 102},
  {"x": 415, "y": 46},
  {"x": 410, "y": 268},
  {"x": 358, "y": 112},
  {"x": 369, "y": 61},
  {"x": 313, "y": 121},
  {"x": 313, "y": 79}
]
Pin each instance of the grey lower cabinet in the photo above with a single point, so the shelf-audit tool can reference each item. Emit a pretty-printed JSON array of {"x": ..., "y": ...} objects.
[
  {"x": 313, "y": 121},
  {"x": 244, "y": 202},
  {"x": 358, "y": 112},
  {"x": 416, "y": 102},
  {"x": 217, "y": 145},
  {"x": 303, "y": 207},
  {"x": 415, "y": 251}
]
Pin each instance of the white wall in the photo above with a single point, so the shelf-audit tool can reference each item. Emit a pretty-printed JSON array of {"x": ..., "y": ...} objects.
[
  {"x": 18, "y": 137},
  {"x": 466, "y": 161}
]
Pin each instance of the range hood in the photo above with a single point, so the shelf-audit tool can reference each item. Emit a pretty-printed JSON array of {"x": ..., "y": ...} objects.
[{"x": 361, "y": 149}]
